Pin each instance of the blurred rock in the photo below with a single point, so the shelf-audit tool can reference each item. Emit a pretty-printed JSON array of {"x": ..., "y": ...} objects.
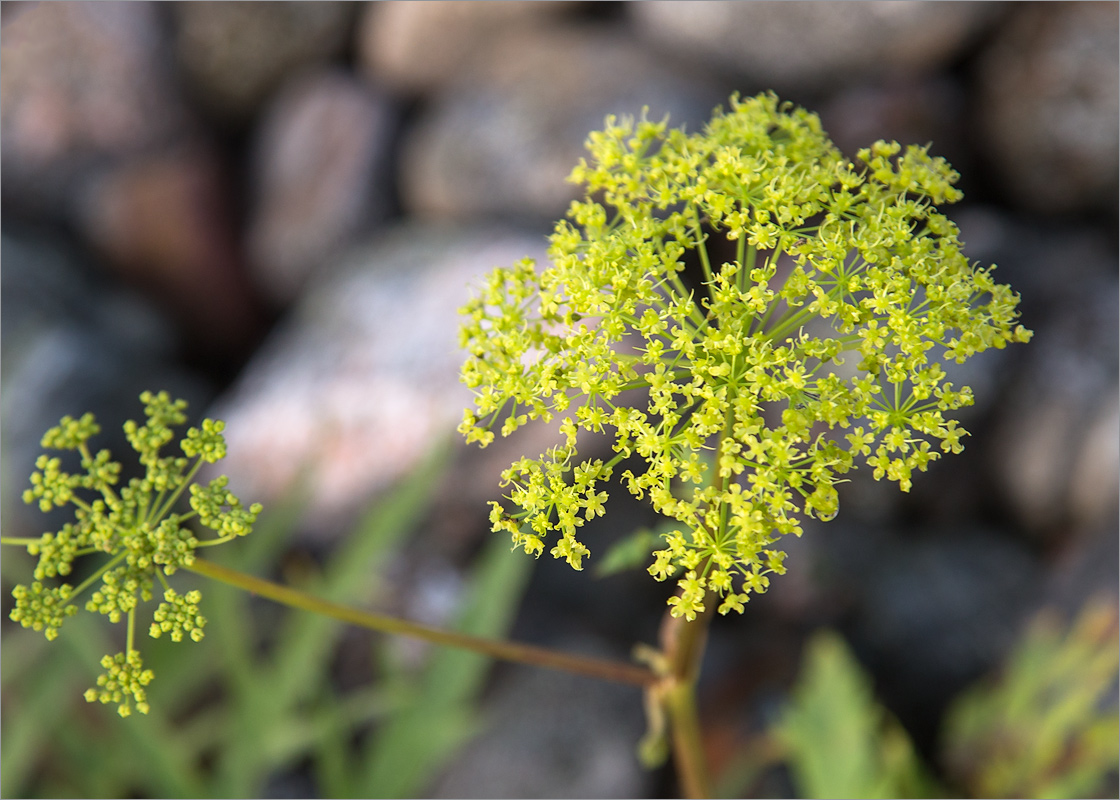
[
  {"x": 1052, "y": 453},
  {"x": 812, "y": 47},
  {"x": 162, "y": 223},
  {"x": 927, "y": 610},
  {"x": 1055, "y": 456},
  {"x": 235, "y": 54},
  {"x": 418, "y": 47},
  {"x": 909, "y": 112},
  {"x": 362, "y": 379},
  {"x": 72, "y": 344},
  {"x": 1048, "y": 99},
  {"x": 321, "y": 177},
  {"x": 551, "y": 734},
  {"x": 79, "y": 83},
  {"x": 503, "y": 139}
]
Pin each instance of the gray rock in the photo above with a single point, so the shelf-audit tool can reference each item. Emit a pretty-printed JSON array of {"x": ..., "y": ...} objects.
[
  {"x": 811, "y": 47},
  {"x": 928, "y": 610},
  {"x": 362, "y": 379},
  {"x": 235, "y": 54},
  {"x": 418, "y": 47},
  {"x": 550, "y": 734},
  {"x": 1051, "y": 453},
  {"x": 502, "y": 140},
  {"x": 80, "y": 83},
  {"x": 1049, "y": 97},
  {"x": 919, "y": 111},
  {"x": 321, "y": 177},
  {"x": 1055, "y": 448}
]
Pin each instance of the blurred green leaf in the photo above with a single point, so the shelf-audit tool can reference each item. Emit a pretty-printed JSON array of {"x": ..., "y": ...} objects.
[
  {"x": 403, "y": 757},
  {"x": 838, "y": 741},
  {"x": 1042, "y": 729},
  {"x": 276, "y": 699},
  {"x": 634, "y": 550}
]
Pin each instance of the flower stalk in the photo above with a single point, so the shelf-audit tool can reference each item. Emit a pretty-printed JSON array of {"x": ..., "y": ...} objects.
[{"x": 602, "y": 669}]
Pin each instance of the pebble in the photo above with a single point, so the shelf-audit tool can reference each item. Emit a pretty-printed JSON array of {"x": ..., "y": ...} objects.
[
  {"x": 161, "y": 223},
  {"x": 234, "y": 55},
  {"x": 80, "y": 83},
  {"x": 419, "y": 47},
  {"x": 553, "y": 735}
]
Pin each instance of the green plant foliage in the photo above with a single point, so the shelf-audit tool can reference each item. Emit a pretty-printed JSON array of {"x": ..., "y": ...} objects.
[
  {"x": 406, "y": 753},
  {"x": 817, "y": 343},
  {"x": 837, "y": 740},
  {"x": 1044, "y": 728},
  {"x": 136, "y": 527},
  {"x": 631, "y": 550},
  {"x": 229, "y": 713}
]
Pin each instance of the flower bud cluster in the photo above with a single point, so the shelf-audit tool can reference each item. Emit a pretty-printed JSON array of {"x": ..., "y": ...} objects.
[
  {"x": 135, "y": 526},
  {"x": 122, "y": 683},
  {"x": 831, "y": 294},
  {"x": 179, "y": 615}
]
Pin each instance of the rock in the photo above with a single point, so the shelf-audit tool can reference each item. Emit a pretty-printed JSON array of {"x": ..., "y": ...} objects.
[
  {"x": 1055, "y": 449},
  {"x": 502, "y": 141},
  {"x": 906, "y": 111},
  {"x": 927, "y": 610},
  {"x": 321, "y": 177},
  {"x": 1050, "y": 456},
  {"x": 356, "y": 386},
  {"x": 161, "y": 223},
  {"x": 418, "y": 47},
  {"x": 551, "y": 734},
  {"x": 812, "y": 47},
  {"x": 1048, "y": 98},
  {"x": 235, "y": 54},
  {"x": 80, "y": 83}
]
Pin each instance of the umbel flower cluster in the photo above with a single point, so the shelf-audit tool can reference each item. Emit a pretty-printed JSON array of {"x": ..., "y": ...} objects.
[
  {"x": 136, "y": 526},
  {"x": 827, "y": 295}
]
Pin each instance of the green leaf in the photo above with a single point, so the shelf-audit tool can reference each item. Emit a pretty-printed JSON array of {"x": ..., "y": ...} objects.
[
  {"x": 405, "y": 755},
  {"x": 632, "y": 551},
  {"x": 839, "y": 741},
  {"x": 1041, "y": 729}
]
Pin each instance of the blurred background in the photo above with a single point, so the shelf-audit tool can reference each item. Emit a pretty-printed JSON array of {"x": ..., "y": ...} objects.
[{"x": 273, "y": 210}]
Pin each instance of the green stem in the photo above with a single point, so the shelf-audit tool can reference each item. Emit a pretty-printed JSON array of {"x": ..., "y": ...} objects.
[
  {"x": 685, "y": 650},
  {"x": 92, "y": 579},
  {"x": 702, "y": 249},
  {"x": 509, "y": 651},
  {"x": 683, "y": 645},
  {"x": 166, "y": 506}
]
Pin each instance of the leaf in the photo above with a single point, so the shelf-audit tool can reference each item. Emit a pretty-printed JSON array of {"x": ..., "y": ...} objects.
[
  {"x": 839, "y": 741},
  {"x": 405, "y": 755},
  {"x": 1041, "y": 729},
  {"x": 632, "y": 551}
]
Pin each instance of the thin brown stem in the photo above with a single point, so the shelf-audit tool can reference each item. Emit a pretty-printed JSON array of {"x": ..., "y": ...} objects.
[{"x": 509, "y": 651}]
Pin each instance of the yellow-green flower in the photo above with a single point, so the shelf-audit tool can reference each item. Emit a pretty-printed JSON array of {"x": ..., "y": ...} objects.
[{"x": 829, "y": 292}]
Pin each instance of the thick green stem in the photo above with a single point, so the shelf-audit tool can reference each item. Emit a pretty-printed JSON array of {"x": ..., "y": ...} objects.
[
  {"x": 509, "y": 651},
  {"x": 683, "y": 645}
]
